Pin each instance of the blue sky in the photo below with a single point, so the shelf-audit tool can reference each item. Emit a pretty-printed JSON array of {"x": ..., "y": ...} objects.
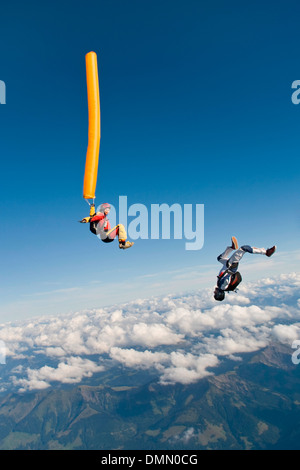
[{"x": 196, "y": 109}]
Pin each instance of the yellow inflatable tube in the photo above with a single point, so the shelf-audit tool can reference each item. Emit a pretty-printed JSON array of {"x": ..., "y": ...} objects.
[{"x": 92, "y": 155}]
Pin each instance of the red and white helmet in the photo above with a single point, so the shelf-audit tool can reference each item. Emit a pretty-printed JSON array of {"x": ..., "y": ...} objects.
[{"x": 104, "y": 206}]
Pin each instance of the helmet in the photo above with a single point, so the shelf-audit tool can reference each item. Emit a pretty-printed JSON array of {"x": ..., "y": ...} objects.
[
  {"x": 104, "y": 206},
  {"x": 219, "y": 294}
]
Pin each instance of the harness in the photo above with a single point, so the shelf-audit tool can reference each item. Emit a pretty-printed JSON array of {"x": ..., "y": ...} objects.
[
  {"x": 93, "y": 227},
  {"x": 235, "y": 280}
]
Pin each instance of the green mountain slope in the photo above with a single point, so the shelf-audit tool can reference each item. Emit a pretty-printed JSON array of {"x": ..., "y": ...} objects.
[{"x": 255, "y": 404}]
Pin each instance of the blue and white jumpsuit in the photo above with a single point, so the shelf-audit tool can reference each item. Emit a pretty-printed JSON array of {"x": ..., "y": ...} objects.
[{"x": 231, "y": 263}]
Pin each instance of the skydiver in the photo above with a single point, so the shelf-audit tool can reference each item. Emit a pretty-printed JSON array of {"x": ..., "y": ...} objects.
[
  {"x": 99, "y": 225},
  {"x": 229, "y": 277}
]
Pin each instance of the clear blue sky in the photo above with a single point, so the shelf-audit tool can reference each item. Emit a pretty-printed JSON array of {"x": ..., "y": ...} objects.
[{"x": 196, "y": 108}]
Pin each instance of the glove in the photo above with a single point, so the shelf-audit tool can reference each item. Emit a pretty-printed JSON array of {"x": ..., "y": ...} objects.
[{"x": 86, "y": 220}]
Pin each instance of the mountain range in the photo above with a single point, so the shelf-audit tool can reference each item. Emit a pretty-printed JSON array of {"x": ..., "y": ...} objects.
[{"x": 253, "y": 403}]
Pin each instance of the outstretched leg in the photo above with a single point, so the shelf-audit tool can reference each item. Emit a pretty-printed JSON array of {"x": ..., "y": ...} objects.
[
  {"x": 260, "y": 251},
  {"x": 237, "y": 256}
]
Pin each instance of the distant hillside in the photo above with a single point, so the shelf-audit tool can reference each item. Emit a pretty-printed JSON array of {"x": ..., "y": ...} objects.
[{"x": 253, "y": 404}]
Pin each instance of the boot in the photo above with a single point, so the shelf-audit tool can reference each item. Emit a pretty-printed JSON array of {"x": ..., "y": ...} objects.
[
  {"x": 125, "y": 245},
  {"x": 234, "y": 243},
  {"x": 270, "y": 251}
]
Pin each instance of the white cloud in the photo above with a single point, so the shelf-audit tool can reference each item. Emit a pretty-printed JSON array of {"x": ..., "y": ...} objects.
[
  {"x": 154, "y": 335},
  {"x": 187, "y": 368},
  {"x": 287, "y": 333},
  {"x": 138, "y": 359},
  {"x": 69, "y": 372},
  {"x": 181, "y": 337}
]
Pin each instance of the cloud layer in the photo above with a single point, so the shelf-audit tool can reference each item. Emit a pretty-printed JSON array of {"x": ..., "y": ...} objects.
[{"x": 182, "y": 339}]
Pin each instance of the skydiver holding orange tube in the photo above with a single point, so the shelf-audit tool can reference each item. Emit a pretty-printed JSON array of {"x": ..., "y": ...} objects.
[{"x": 99, "y": 225}]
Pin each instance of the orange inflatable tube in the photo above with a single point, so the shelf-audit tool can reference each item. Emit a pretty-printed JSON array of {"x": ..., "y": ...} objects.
[{"x": 92, "y": 155}]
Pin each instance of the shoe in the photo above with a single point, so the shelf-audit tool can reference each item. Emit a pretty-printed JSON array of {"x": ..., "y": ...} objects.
[
  {"x": 124, "y": 246},
  {"x": 234, "y": 243},
  {"x": 270, "y": 251}
]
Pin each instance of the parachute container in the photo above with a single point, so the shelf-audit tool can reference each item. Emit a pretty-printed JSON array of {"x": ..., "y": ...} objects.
[{"x": 92, "y": 155}]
